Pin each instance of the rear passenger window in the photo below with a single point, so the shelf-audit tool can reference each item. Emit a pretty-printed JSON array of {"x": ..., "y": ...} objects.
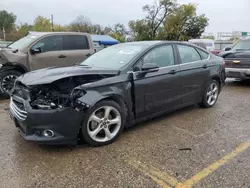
[
  {"x": 204, "y": 55},
  {"x": 188, "y": 54},
  {"x": 75, "y": 42}
]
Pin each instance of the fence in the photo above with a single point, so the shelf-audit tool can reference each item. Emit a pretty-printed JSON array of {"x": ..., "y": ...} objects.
[{"x": 221, "y": 44}]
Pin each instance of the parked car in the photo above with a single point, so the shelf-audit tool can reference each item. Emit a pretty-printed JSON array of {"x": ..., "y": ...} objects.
[
  {"x": 40, "y": 50},
  {"x": 209, "y": 43},
  {"x": 216, "y": 51},
  {"x": 200, "y": 44},
  {"x": 114, "y": 88},
  {"x": 237, "y": 59}
]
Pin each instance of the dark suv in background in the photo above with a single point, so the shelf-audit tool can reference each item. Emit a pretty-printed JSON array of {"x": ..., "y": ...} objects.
[{"x": 237, "y": 59}]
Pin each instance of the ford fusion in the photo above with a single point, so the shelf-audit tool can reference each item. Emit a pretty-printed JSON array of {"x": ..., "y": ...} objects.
[{"x": 112, "y": 89}]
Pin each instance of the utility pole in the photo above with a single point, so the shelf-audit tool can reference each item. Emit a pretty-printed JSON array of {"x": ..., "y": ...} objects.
[
  {"x": 52, "y": 22},
  {"x": 4, "y": 36}
]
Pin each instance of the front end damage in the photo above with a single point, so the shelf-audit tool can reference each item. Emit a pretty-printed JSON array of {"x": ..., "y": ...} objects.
[{"x": 51, "y": 113}]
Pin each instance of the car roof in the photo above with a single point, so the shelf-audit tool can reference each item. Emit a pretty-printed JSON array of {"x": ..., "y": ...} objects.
[
  {"x": 148, "y": 44},
  {"x": 154, "y": 42},
  {"x": 37, "y": 33}
]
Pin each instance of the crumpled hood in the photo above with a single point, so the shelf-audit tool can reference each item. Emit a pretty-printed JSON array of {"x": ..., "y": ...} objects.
[{"x": 49, "y": 75}]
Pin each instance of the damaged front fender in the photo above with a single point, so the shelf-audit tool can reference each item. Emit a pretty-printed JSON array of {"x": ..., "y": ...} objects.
[
  {"x": 118, "y": 88},
  {"x": 90, "y": 98}
]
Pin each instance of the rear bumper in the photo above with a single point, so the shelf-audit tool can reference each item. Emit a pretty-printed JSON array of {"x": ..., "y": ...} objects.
[
  {"x": 65, "y": 123},
  {"x": 238, "y": 73}
]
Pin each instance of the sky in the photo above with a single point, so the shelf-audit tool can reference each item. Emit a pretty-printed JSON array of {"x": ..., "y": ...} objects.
[{"x": 224, "y": 15}]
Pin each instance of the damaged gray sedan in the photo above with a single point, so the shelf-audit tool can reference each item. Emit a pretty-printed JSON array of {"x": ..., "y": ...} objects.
[{"x": 114, "y": 88}]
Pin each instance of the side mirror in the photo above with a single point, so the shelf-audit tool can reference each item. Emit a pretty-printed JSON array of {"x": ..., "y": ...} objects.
[
  {"x": 149, "y": 67},
  {"x": 228, "y": 48},
  {"x": 35, "y": 50}
]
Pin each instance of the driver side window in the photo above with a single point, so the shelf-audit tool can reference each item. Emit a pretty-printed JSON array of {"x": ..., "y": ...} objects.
[
  {"x": 48, "y": 44},
  {"x": 163, "y": 56}
]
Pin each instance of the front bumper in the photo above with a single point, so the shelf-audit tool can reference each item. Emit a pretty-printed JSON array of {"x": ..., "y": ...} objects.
[
  {"x": 238, "y": 73},
  {"x": 65, "y": 123}
]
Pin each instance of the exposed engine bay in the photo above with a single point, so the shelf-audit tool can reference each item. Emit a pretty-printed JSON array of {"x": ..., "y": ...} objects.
[{"x": 59, "y": 93}]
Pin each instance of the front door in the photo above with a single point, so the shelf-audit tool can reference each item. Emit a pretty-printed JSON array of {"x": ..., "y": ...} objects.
[
  {"x": 157, "y": 91},
  {"x": 49, "y": 52}
]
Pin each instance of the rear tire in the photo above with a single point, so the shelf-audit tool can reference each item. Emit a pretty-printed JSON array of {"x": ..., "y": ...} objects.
[
  {"x": 7, "y": 79},
  {"x": 103, "y": 123},
  {"x": 210, "y": 95}
]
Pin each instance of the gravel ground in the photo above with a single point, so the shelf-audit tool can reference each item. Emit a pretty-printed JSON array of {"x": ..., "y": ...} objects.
[{"x": 164, "y": 152}]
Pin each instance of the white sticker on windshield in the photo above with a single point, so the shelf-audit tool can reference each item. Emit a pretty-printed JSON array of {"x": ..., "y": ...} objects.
[
  {"x": 126, "y": 51},
  {"x": 121, "y": 62}
]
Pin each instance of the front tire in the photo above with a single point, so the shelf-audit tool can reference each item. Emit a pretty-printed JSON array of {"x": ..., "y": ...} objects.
[
  {"x": 103, "y": 123},
  {"x": 7, "y": 79},
  {"x": 211, "y": 94}
]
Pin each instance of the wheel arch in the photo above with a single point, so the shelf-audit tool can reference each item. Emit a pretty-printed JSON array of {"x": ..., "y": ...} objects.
[
  {"x": 15, "y": 66},
  {"x": 217, "y": 78},
  {"x": 119, "y": 100}
]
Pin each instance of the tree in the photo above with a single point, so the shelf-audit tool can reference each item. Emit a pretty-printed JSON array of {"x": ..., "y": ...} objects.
[
  {"x": 140, "y": 30},
  {"x": 119, "y": 32},
  {"x": 195, "y": 27},
  {"x": 81, "y": 24},
  {"x": 157, "y": 14},
  {"x": 25, "y": 28},
  {"x": 107, "y": 31},
  {"x": 184, "y": 24},
  {"x": 42, "y": 24},
  {"x": 96, "y": 29},
  {"x": 208, "y": 37},
  {"x": 58, "y": 27},
  {"x": 7, "y": 23}
]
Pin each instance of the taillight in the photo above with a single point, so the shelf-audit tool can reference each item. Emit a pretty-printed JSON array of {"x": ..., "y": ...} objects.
[{"x": 223, "y": 64}]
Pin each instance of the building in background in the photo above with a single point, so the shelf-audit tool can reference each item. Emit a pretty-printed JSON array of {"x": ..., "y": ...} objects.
[
  {"x": 103, "y": 41},
  {"x": 235, "y": 35}
]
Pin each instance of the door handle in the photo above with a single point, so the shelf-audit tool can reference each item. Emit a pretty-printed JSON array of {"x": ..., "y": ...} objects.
[
  {"x": 204, "y": 66},
  {"x": 87, "y": 55},
  {"x": 172, "y": 72},
  {"x": 61, "y": 56}
]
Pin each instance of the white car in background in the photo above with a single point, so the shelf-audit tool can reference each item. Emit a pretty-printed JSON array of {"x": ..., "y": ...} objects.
[{"x": 209, "y": 43}]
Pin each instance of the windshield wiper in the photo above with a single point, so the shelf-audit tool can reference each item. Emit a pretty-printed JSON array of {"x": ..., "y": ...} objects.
[{"x": 82, "y": 65}]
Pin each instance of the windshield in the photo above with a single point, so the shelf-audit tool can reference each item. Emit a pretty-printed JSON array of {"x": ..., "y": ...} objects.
[
  {"x": 23, "y": 42},
  {"x": 114, "y": 57},
  {"x": 242, "y": 45}
]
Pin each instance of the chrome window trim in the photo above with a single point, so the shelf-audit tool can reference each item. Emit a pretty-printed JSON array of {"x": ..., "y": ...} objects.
[
  {"x": 196, "y": 61},
  {"x": 159, "y": 68}
]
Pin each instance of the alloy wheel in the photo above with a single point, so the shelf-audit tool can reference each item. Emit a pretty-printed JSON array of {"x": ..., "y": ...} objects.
[
  {"x": 104, "y": 124},
  {"x": 212, "y": 94},
  {"x": 8, "y": 83}
]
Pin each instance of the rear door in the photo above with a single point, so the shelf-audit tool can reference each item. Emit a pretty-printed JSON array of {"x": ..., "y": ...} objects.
[
  {"x": 51, "y": 53},
  {"x": 77, "y": 48},
  {"x": 195, "y": 72},
  {"x": 157, "y": 91}
]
